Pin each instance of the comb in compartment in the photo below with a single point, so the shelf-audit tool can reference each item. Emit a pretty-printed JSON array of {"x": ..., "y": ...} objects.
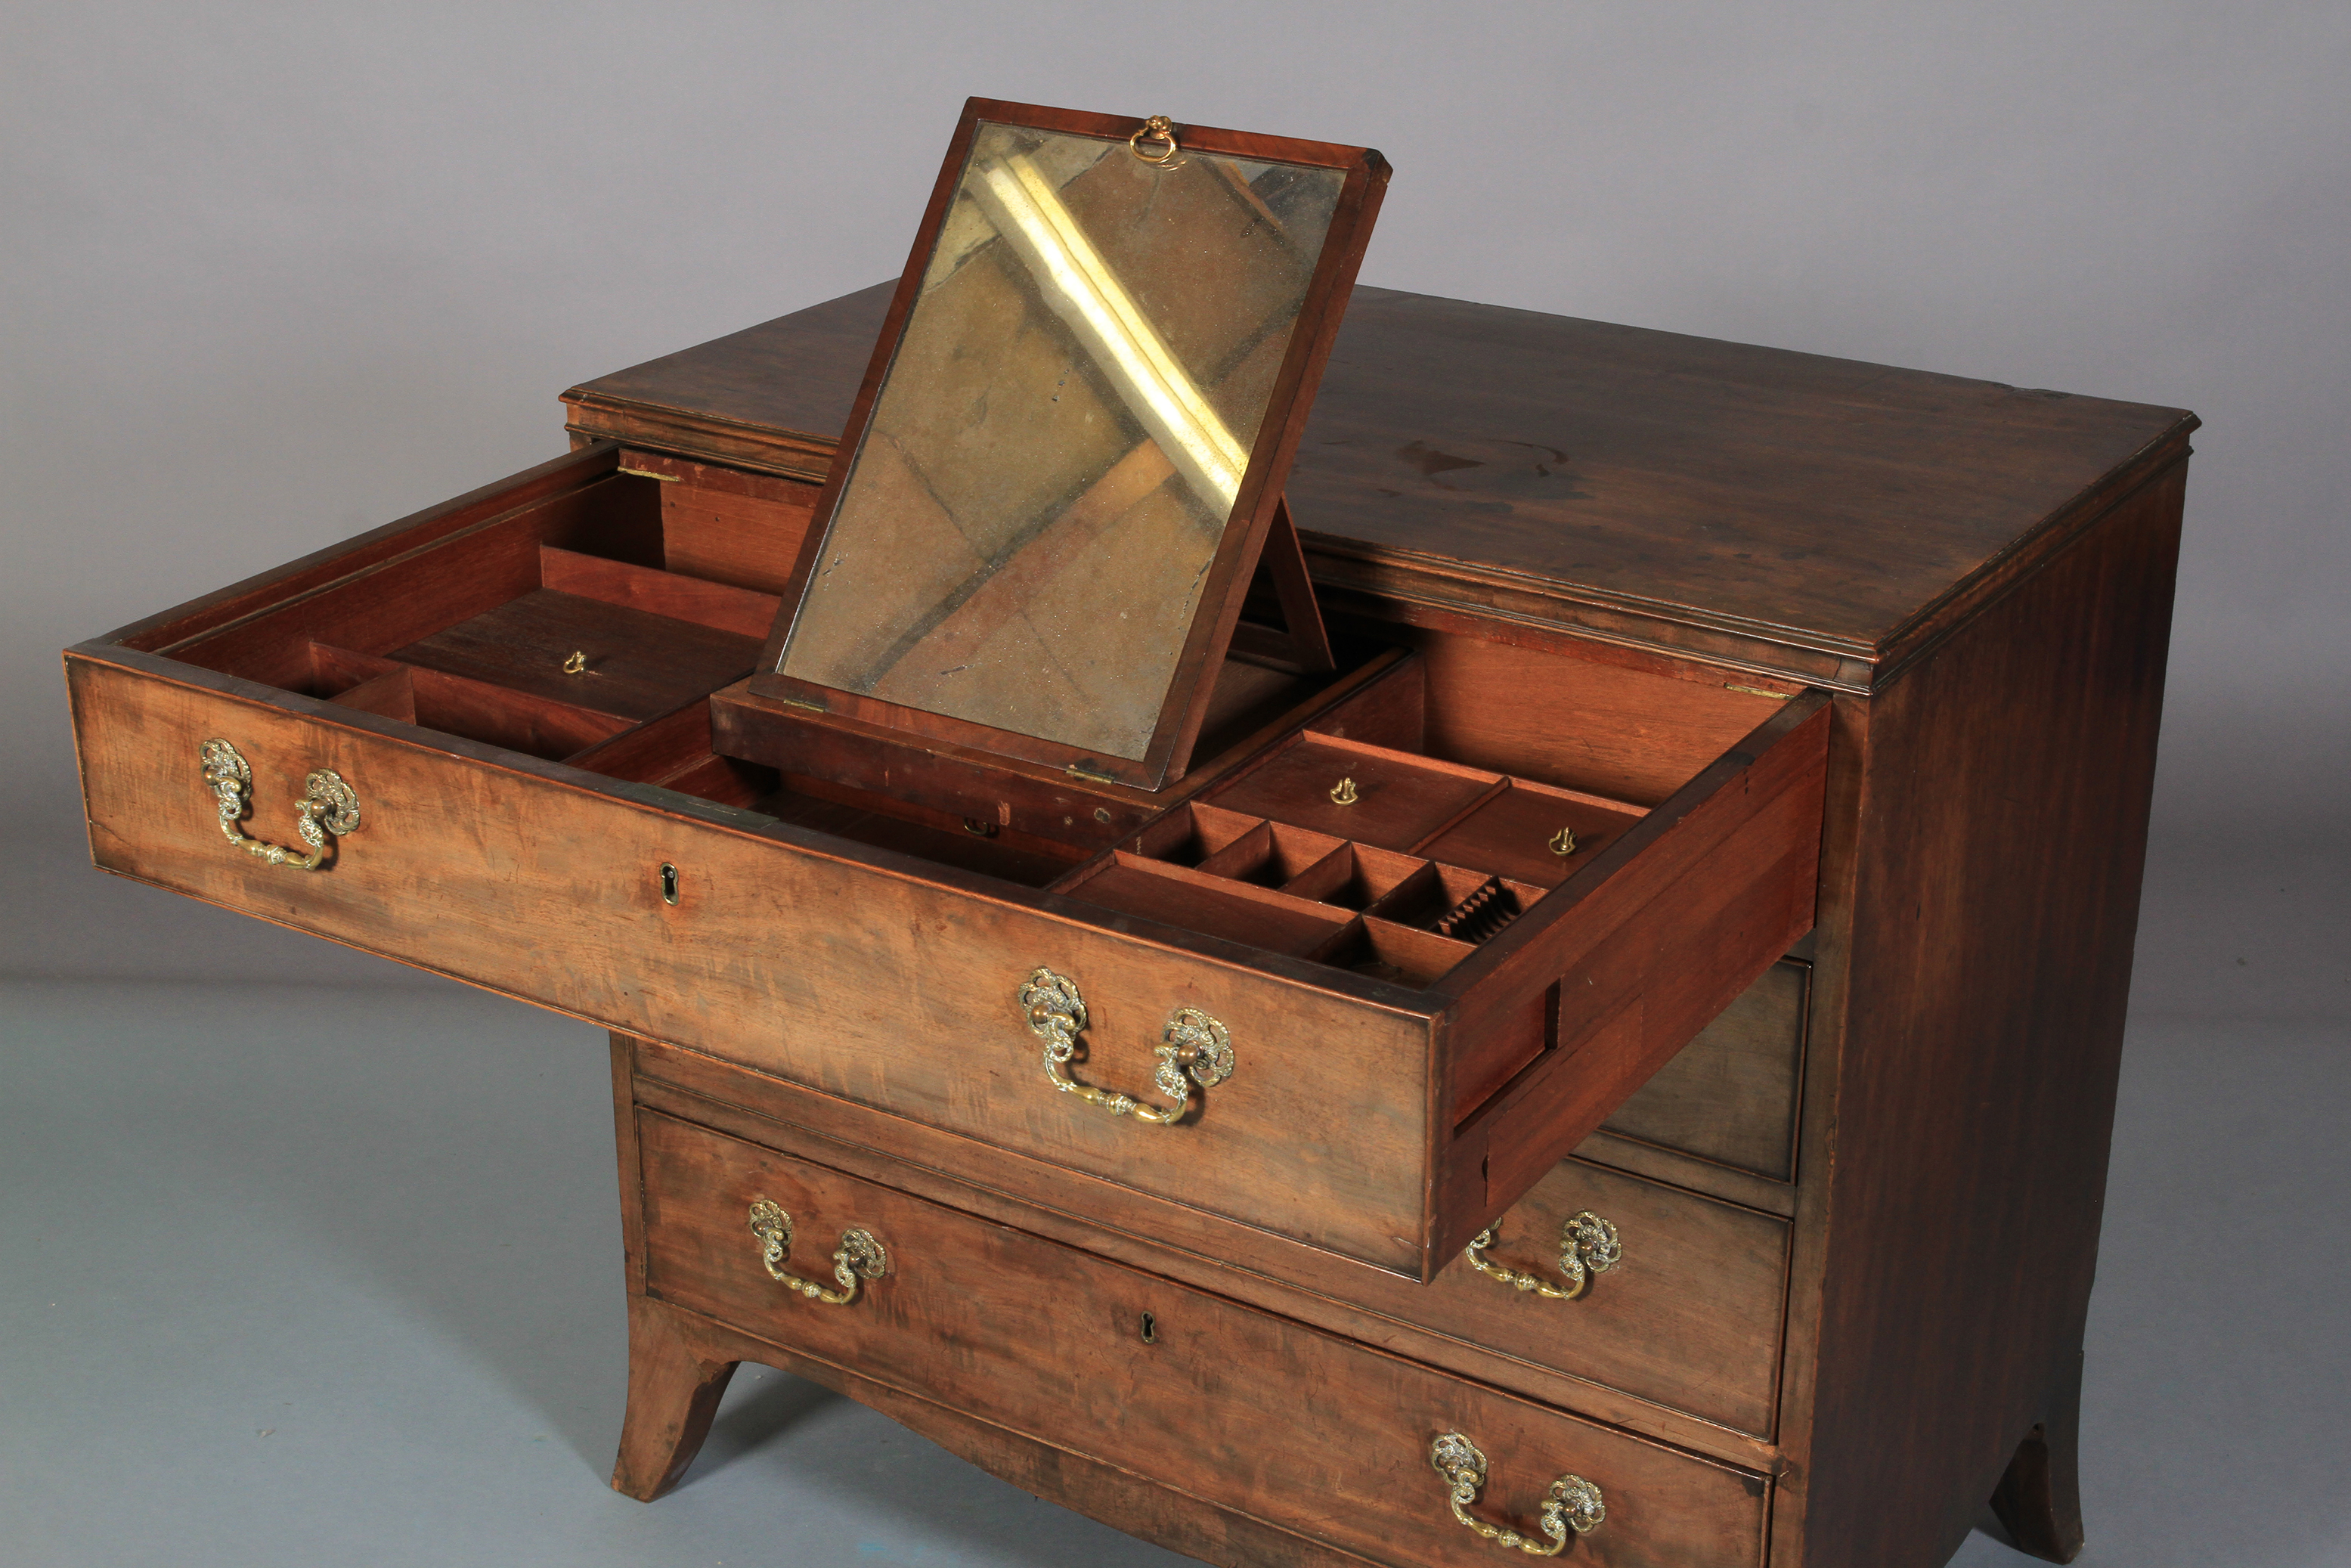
[
  {"x": 1489, "y": 907},
  {"x": 1467, "y": 906}
]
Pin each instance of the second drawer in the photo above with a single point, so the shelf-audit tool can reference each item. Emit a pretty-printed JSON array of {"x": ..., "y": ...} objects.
[
  {"x": 1686, "y": 1314},
  {"x": 1243, "y": 1408}
]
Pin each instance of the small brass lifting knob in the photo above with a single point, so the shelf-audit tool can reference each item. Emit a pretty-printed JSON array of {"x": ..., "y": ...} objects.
[
  {"x": 576, "y": 666},
  {"x": 1562, "y": 843},
  {"x": 1342, "y": 793},
  {"x": 1160, "y": 132}
]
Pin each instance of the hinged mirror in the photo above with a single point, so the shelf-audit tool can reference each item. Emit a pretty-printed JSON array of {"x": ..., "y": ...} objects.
[{"x": 1067, "y": 456}]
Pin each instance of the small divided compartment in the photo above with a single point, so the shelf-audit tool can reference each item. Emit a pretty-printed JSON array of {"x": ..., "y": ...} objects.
[
  {"x": 1387, "y": 862},
  {"x": 572, "y": 624}
]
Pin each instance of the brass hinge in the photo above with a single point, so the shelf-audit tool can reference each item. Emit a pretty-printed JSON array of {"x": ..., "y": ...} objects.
[
  {"x": 1759, "y": 692},
  {"x": 807, "y": 707},
  {"x": 1089, "y": 775},
  {"x": 649, "y": 473}
]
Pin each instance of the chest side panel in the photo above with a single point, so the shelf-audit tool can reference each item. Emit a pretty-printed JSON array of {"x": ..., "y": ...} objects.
[{"x": 2004, "y": 815}]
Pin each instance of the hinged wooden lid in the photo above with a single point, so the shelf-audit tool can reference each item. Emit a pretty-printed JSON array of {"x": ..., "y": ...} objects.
[{"x": 1068, "y": 452}]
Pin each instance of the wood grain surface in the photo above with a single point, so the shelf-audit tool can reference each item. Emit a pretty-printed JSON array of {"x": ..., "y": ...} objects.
[
  {"x": 891, "y": 981},
  {"x": 1730, "y": 1096},
  {"x": 1639, "y": 951},
  {"x": 1250, "y": 1411},
  {"x": 2008, "y": 781},
  {"x": 1826, "y": 519},
  {"x": 1860, "y": 1213},
  {"x": 885, "y": 979},
  {"x": 685, "y": 1343},
  {"x": 835, "y": 937}
]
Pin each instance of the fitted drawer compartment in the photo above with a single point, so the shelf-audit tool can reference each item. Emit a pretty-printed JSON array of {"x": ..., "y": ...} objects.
[
  {"x": 1240, "y": 1407},
  {"x": 1360, "y": 1084}
]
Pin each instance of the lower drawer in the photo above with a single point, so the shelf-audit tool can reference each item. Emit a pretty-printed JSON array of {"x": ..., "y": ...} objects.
[
  {"x": 1253, "y": 1412},
  {"x": 1679, "y": 1301}
]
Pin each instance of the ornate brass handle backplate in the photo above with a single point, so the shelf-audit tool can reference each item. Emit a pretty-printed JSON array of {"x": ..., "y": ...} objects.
[
  {"x": 326, "y": 807},
  {"x": 858, "y": 1257},
  {"x": 1193, "y": 1049},
  {"x": 1573, "y": 1503},
  {"x": 1587, "y": 1246}
]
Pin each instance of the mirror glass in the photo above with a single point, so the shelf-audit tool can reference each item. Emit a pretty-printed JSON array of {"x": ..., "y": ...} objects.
[{"x": 1056, "y": 447}]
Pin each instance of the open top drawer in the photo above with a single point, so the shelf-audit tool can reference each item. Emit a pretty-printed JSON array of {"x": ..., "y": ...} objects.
[{"x": 1367, "y": 1026}]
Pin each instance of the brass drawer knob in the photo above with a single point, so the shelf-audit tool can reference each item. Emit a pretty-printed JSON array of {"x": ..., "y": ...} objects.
[
  {"x": 1573, "y": 1503},
  {"x": 1588, "y": 1244},
  {"x": 858, "y": 1257},
  {"x": 326, "y": 807},
  {"x": 1193, "y": 1049},
  {"x": 1161, "y": 133}
]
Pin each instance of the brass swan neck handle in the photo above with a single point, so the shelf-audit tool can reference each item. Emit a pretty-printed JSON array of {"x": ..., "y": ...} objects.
[
  {"x": 1571, "y": 1504},
  {"x": 327, "y": 807},
  {"x": 1193, "y": 1049},
  {"x": 859, "y": 1257},
  {"x": 1588, "y": 1244}
]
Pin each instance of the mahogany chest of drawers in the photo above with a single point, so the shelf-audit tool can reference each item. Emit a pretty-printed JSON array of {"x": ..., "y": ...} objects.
[{"x": 1631, "y": 1055}]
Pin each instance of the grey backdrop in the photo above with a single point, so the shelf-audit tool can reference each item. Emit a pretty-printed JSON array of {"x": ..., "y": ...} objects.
[{"x": 274, "y": 275}]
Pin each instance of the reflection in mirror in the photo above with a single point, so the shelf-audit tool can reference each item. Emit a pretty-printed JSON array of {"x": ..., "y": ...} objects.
[{"x": 1057, "y": 444}]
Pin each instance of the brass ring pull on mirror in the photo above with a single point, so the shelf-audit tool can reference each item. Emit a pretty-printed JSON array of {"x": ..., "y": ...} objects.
[
  {"x": 1161, "y": 131},
  {"x": 326, "y": 807},
  {"x": 1573, "y": 1503},
  {"x": 1193, "y": 1049},
  {"x": 858, "y": 1257},
  {"x": 1588, "y": 1244}
]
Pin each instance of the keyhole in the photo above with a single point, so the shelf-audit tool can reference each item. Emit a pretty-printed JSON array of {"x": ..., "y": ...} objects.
[
  {"x": 669, "y": 883},
  {"x": 1150, "y": 1329}
]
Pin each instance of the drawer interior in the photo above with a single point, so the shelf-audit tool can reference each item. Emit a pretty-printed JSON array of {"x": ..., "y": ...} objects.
[
  {"x": 1388, "y": 824},
  {"x": 1388, "y": 862},
  {"x": 1386, "y": 821},
  {"x": 555, "y": 627},
  {"x": 592, "y": 625}
]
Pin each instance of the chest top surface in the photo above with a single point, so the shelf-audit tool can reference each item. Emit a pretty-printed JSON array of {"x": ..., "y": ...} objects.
[{"x": 1817, "y": 517}]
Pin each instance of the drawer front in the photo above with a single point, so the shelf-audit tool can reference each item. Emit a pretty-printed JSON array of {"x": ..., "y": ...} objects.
[
  {"x": 893, "y": 989},
  {"x": 1248, "y": 1410},
  {"x": 1688, "y": 1314}
]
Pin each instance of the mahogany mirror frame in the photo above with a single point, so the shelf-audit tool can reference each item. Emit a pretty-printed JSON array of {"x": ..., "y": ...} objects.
[{"x": 1255, "y": 505}]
